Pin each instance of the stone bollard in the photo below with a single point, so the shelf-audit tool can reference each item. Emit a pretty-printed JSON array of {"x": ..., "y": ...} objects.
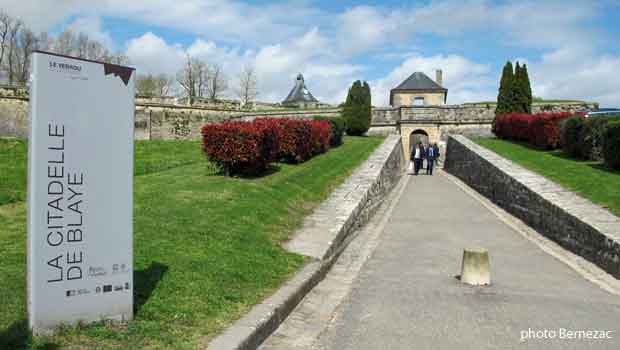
[{"x": 475, "y": 269}]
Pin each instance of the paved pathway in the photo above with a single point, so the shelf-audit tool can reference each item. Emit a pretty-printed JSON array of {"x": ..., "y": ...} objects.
[{"x": 406, "y": 296}]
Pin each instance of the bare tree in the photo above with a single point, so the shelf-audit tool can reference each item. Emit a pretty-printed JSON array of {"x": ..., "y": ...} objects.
[
  {"x": 145, "y": 85},
  {"x": 6, "y": 24},
  {"x": 44, "y": 41},
  {"x": 247, "y": 88},
  {"x": 96, "y": 51},
  {"x": 12, "y": 58},
  {"x": 201, "y": 70},
  {"x": 65, "y": 43},
  {"x": 216, "y": 82},
  {"x": 163, "y": 84},
  {"x": 27, "y": 44},
  {"x": 194, "y": 78},
  {"x": 17, "y": 42},
  {"x": 154, "y": 85},
  {"x": 81, "y": 45},
  {"x": 187, "y": 78}
]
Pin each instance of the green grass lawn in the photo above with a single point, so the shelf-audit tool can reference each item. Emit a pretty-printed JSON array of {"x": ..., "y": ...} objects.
[
  {"x": 150, "y": 156},
  {"x": 590, "y": 179},
  {"x": 13, "y": 155},
  {"x": 206, "y": 247}
]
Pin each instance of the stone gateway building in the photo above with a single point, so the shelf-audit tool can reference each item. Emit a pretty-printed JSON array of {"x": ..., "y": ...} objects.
[
  {"x": 300, "y": 96},
  {"x": 419, "y": 90},
  {"x": 419, "y": 113}
]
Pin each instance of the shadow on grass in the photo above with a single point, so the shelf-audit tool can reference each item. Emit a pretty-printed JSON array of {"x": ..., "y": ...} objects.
[
  {"x": 272, "y": 169},
  {"x": 603, "y": 167},
  {"x": 18, "y": 337},
  {"x": 145, "y": 282},
  {"x": 561, "y": 154}
]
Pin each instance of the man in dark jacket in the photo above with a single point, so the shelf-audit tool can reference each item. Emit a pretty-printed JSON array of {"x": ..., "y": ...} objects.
[{"x": 430, "y": 156}]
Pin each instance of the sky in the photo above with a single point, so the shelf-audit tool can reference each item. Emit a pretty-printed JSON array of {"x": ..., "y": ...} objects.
[{"x": 570, "y": 47}]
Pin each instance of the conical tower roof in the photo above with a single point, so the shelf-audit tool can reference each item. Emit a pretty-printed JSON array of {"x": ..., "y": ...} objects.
[{"x": 299, "y": 93}]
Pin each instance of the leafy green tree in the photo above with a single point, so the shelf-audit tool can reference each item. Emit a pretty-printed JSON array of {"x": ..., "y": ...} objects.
[
  {"x": 504, "y": 97},
  {"x": 357, "y": 108}
]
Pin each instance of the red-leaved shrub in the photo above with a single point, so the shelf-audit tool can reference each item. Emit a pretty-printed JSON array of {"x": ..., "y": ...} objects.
[
  {"x": 541, "y": 129},
  {"x": 513, "y": 126},
  {"x": 273, "y": 134},
  {"x": 237, "y": 147},
  {"x": 545, "y": 129},
  {"x": 320, "y": 135},
  {"x": 296, "y": 145},
  {"x": 249, "y": 147}
]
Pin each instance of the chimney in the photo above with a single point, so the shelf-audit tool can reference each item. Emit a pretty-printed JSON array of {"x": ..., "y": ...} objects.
[{"x": 439, "y": 77}]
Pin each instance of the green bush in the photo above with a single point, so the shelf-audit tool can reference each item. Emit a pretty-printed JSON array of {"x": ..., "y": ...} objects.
[
  {"x": 611, "y": 145},
  {"x": 357, "y": 109},
  {"x": 570, "y": 134},
  {"x": 337, "y": 131},
  {"x": 591, "y": 138}
]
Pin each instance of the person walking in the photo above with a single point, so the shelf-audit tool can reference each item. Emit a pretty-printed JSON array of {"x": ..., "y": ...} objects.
[
  {"x": 416, "y": 157},
  {"x": 430, "y": 159}
]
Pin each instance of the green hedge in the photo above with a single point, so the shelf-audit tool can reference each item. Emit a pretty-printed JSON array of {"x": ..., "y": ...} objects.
[
  {"x": 611, "y": 145},
  {"x": 570, "y": 136},
  {"x": 583, "y": 138},
  {"x": 591, "y": 138},
  {"x": 338, "y": 125}
]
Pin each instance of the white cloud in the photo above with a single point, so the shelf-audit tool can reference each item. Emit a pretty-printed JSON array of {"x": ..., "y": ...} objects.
[
  {"x": 92, "y": 27},
  {"x": 284, "y": 38},
  {"x": 151, "y": 54},
  {"x": 228, "y": 20},
  {"x": 276, "y": 65},
  {"x": 326, "y": 77},
  {"x": 364, "y": 27},
  {"x": 565, "y": 75},
  {"x": 465, "y": 80},
  {"x": 40, "y": 15}
]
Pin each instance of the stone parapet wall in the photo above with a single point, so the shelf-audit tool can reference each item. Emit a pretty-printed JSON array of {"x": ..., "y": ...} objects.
[
  {"x": 480, "y": 112},
  {"x": 573, "y": 222},
  {"x": 14, "y": 116},
  {"x": 323, "y": 236},
  {"x": 351, "y": 205},
  {"x": 153, "y": 119},
  {"x": 165, "y": 124}
]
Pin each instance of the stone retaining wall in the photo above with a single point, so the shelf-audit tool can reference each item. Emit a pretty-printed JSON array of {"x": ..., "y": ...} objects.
[
  {"x": 351, "y": 204},
  {"x": 323, "y": 236},
  {"x": 573, "y": 222}
]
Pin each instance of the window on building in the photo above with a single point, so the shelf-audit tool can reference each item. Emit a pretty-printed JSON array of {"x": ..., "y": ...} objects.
[{"x": 418, "y": 101}]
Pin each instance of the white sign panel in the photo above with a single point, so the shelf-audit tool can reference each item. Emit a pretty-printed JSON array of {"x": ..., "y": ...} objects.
[{"x": 80, "y": 192}]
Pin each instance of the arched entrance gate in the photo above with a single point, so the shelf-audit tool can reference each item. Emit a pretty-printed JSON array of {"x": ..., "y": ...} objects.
[{"x": 416, "y": 136}]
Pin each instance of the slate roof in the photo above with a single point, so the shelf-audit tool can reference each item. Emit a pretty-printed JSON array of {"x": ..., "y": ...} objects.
[
  {"x": 299, "y": 93},
  {"x": 419, "y": 81}
]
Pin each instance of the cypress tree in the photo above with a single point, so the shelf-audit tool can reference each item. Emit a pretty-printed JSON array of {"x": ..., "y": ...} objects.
[
  {"x": 504, "y": 96},
  {"x": 357, "y": 108},
  {"x": 518, "y": 96},
  {"x": 527, "y": 89}
]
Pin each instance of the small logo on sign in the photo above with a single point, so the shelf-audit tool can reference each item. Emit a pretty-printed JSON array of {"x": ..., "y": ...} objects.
[
  {"x": 107, "y": 288},
  {"x": 95, "y": 271}
]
